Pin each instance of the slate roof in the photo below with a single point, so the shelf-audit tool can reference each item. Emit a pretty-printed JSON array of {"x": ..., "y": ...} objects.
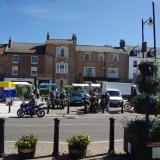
[
  {"x": 2, "y": 48},
  {"x": 33, "y": 48},
  {"x": 60, "y": 41},
  {"x": 100, "y": 49}
]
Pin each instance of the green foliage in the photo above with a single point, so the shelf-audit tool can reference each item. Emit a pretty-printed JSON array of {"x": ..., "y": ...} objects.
[
  {"x": 26, "y": 141},
  {"x": 148, "y": 68},
  {"x": 44, "y": 91},
  {"x": 81, "y": 140},
  {"x": 24, "y": 91},
  {"x": 155, "y": 130}
]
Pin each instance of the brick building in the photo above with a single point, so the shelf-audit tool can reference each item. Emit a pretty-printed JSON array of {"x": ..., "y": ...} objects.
[{"x": 63, "y": 61}]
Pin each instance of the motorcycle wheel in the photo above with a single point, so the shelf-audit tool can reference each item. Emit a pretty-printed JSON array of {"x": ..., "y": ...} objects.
[
  {"x": 40, "y": 113},
  {"x": 127, "y": 106},
  {"x": 20, "y": 113}
]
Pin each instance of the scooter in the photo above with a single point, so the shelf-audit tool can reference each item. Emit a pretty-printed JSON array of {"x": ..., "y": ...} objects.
[{"x": 31, "y": 108}]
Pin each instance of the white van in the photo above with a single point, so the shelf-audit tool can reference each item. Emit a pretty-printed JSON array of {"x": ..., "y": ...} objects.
[{"x": 116, "y": 99}]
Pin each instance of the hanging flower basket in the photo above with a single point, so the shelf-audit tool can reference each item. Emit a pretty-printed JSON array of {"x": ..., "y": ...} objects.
[
  {"x": 148, "y": 85},
  {"x": 148, "y": 68},
  {"x": 146, "y": 105}
]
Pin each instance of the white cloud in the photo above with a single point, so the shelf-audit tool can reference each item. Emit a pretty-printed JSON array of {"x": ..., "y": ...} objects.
[
  {"x": 47, "y": 14},
  {"x": 36, "y": 12}
]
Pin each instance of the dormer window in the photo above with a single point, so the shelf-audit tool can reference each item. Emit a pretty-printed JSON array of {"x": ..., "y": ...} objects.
[{"x": 137, "y": 52}]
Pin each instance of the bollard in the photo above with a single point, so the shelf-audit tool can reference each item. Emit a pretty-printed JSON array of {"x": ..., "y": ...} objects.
[
  {"x": 9, "y": 107},
  {"x": 122, "y": 107},
  {"x": 68, "y": 107},
  {"x": 2, "y": 120},
  {"x": 111, "y": 136},
  {"x": 56, "y": 138}
]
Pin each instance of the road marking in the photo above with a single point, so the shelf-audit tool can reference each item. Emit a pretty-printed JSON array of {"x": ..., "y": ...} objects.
[
  {"x": 51, "y": 125},
  {"x": 48, "y": 142}
]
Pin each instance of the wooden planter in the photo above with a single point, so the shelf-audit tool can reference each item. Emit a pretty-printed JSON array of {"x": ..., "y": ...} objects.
[
  {"x": 136, "y": 145},
  {"x": 77, "y": 152},
  {"x": 26, "y": 153},
  {"x": 140, "y": 147}
]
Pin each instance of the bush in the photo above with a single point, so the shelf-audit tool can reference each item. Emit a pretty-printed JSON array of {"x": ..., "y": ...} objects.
[
  {"x": 27, "y": 141},
  {"x": 81, "y": 140}
]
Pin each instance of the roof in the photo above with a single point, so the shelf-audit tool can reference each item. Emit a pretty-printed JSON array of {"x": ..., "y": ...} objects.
[
  {"x": 33, "y": 48},
  {"x": 100, "y": 49},
  {"x": 2, "y": 48},
  {"x": 61, "y": 41}
]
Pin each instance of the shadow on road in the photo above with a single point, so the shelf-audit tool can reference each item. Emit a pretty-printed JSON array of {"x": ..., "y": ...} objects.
[{"x": 66, "y": 157}]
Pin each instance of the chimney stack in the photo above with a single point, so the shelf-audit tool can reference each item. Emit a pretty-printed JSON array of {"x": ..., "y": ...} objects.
[
  {"x": 48, "y": 36},
  {"x": 9, "y": 43},
  {"x": 122, "y": 43},
  {"x": 74, "y": 38}
]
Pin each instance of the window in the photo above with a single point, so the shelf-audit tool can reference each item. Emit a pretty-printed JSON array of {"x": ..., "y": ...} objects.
[
  {"x": 112, "y": 73},
  {"x": 62, "y": 52},
  {"x": 101, "y": 56},
  {"x": 14, "y": 70},
  {"x": 89, "y": 72},
  {"x": 15, "y": 59},
  {"x": 62, "y": 68},
  {"x": 115, "y": 57},
  {"x": 33, "y": 71},
  {"x": 87, "y": 56},
  {"x": 134, "y": 63},
  {"x": 137, "y": 51},
  {"x": 34, "y": 60}
]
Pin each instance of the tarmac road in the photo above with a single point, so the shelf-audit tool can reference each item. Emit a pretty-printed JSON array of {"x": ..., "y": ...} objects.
[{"x": 97, "y": 127}]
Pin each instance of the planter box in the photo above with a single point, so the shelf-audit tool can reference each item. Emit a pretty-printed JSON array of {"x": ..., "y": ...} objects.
[
  {"x": 140, "y": 147},
  {"x": 77, "y": 152},
  {"x": 26, "y": 153}
]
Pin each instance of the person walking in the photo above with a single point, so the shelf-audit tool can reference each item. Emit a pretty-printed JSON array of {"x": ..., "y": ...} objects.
[
  {"x": 53, "y": 97},
  {"x": 107, "y": 100}
]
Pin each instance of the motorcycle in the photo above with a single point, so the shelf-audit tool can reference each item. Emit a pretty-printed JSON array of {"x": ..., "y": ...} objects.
[
  {"x": 94, "y": 104},
  {"x": 31, "y": 108},
  {"x": 128, "y": 104}
]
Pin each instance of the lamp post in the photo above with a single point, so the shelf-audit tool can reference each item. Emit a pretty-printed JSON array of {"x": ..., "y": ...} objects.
[
  {"x": 144, "y": 44},
  {"x": 154, "y": 29},
  {"x": 149, "y": 21}
]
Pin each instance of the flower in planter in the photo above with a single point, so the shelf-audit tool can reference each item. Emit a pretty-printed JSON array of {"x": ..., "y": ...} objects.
[
  {"x": 78, "y": 145},
  {"x": 139, "y": 126},
  {"x": 155, "y": 130},
  {"x": 79, "y": 140},
  {"x": 26, "y": 141},
  {"x": 26, "y": 146}
]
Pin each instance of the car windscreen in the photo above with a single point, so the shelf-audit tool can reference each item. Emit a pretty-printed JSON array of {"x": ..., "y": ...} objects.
[{"x": 114, "y": 93}]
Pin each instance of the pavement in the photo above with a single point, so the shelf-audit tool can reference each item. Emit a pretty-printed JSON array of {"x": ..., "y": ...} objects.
[{"x": 44, "y": 150}]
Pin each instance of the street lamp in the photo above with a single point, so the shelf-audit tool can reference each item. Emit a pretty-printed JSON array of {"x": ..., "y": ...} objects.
[
  {"x": 152, "y": 22},
  {"x": 154, "y": 29},
  {"x": 144, "y": 44}
]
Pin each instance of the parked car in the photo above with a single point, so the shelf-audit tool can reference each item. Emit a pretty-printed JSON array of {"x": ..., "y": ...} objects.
[
  {"x": 116, "y": 99},
  {"x": 76, "y": 99}
]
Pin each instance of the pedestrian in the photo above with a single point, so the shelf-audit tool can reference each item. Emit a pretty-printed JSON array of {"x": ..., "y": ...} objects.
[
  {"x": 53, "y": 97},
  {"x": 107, "y": 100},
  {"x": 37, "y": 93}
]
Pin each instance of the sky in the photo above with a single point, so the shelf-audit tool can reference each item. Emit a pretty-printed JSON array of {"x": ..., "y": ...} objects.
[{"x": 95, "y": 22}]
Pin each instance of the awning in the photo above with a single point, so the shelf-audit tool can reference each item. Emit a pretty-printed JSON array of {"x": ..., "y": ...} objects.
[{"x": 7, "y": 84}]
